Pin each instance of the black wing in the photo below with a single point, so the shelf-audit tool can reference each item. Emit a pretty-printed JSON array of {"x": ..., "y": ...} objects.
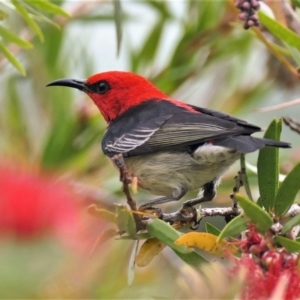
[{"x": 150, "y": 127}]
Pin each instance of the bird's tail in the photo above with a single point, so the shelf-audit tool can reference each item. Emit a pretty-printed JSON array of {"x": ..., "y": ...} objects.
[
  {"x": 246, "y": 144},
  {"x": 273, "y": 143}
]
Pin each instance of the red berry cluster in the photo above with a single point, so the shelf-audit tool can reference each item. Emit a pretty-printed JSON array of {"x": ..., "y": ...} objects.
[{"x": 248, "y": 13}]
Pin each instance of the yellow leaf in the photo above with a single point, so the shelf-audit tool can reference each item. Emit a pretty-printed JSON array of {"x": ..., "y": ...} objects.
[
  {"x": 206, "y": 242},
  {"x": 149, "y": 249}
]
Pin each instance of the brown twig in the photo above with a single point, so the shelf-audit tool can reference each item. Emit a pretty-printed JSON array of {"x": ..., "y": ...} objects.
[
  {"x": 279, "y": 106},
  {"x": 190, "y": 215},
  {"x": 292, "y": 123},
  {"x": 132, "y": 204}
]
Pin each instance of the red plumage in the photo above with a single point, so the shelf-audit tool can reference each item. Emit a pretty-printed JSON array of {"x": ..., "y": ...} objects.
[{"x": 127, "y": 90}]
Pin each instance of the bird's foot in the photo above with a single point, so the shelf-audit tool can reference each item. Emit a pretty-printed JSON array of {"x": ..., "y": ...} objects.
[{"x": 209, "y": 193}]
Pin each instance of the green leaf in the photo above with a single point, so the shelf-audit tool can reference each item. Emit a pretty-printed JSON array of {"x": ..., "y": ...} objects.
[
  {"x": 131, "y": 265},
  {"x": 13, "y": 38},
  {"x": 31, "y": 23},
  {"x": 38, "y": 15},
  {"x": 125, "y": 220},
  {"x": 255, "y": 213},
  {"x": 194, "y": 259},
  {"x": 281, "y": 32},
  {"x": 287, "y": 191},
  {"x": 11, "y": 58},
  {"x": 259, "y": 202},
  {"x": 268, "y": 168},
  {"x": 49, "y": 7},
  {"x": 212, "y": 229},
  {"x": 165, "y": 233},
  {"x": 235, "y": 226},
  {"x": 118, "y": 22},
  {"x": 290, "y": 224},
  {"x": 288, "y": 244}
]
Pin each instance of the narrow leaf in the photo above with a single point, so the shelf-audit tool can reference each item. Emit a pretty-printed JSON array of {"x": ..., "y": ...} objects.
[
  {"x": 11, "y": 58},
  {"x": 42, "y": 17},
  {"x": 287, "y": 191},
  {"x": 166, "y": 233},
  {"x": 212, "y": 229},
  {"x": 254, "y": 213},
  {"x": 234, "y": 227},
  {"x": 194, "y": 259},
  {"x": 49, "y": 7},
  {"x": 288, "y": 244},
  {"x": 206, "y": 242},
  {"x": 131, "y": 265},
  {"x": 31, "y": 23},
  {"x": 13, "y": 38},
  {"x": 118, "y": 23},
  {"x": 268, "y": 169},
  {"x": 281, "y": 32},
  {"x": 125, "y": 220}
]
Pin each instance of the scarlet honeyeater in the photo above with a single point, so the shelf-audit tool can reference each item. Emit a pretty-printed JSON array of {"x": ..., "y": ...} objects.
[{"x": 170, "y": 146}]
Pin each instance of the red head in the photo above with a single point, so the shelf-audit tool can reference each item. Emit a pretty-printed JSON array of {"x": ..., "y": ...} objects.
[{"x": 114, "y": 92}]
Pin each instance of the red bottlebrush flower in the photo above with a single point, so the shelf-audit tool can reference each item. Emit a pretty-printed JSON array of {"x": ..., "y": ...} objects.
[
  {"x": 33, "y": 205},
  {"x": 270, "y": 270},
  {"x": 261, "y": 283}
]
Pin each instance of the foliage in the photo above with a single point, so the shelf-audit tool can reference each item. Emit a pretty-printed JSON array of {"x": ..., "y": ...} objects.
[
  {"x": 29, "y": 11},
  {"x": 196, "y": 51}
]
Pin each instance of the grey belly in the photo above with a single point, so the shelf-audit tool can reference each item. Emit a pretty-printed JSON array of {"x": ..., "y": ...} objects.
[{"x": 168, "y": 172}]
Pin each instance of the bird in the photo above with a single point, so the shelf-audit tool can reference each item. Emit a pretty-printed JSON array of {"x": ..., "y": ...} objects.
[{"x": 171, "y": 147}]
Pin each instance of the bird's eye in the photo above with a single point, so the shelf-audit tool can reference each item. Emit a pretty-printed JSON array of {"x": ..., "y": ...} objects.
[{"x": 103, "y": 87}]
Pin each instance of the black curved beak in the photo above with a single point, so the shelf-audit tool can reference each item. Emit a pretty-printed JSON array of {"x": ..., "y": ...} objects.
[{"x": 73, "y": 83}]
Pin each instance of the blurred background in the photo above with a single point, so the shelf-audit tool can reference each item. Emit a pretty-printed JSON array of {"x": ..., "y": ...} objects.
[{"x": 195, "y": 51}]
